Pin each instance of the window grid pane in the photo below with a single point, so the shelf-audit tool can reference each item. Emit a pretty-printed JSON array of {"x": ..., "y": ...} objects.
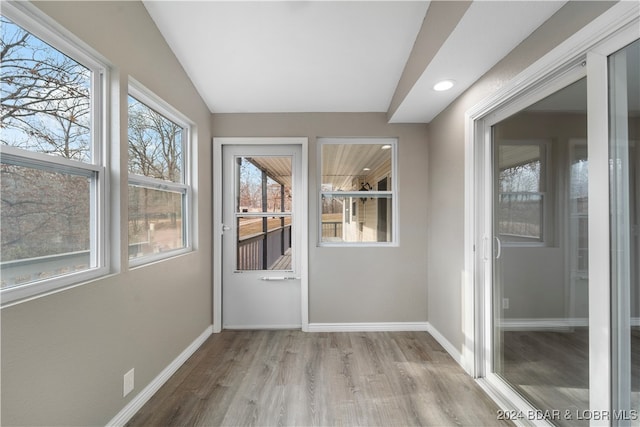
[
  {"x": 155, "y": 144},
  {"x": 155, "y": 221},
  {"x": 45, "y": 222},
  {"x": 357, "y": 197},
  {"x": 46, "y": 97}
]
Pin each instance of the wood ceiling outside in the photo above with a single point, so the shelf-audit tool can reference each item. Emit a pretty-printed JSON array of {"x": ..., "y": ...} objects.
[{"x": 341, "y": 163}]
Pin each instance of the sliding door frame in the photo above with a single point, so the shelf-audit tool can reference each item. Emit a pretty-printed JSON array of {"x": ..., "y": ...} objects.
[{"x": 585, "y": 53}]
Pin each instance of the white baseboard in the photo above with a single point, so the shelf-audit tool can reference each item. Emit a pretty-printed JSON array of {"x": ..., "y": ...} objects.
[
  {"x": 446, "y": 344},
  {"x": 390, "y": 327},
  {"x": 258, "y": 327},
  {"x": 143, "y": 397},
  {"x": 368, "y": 327}
]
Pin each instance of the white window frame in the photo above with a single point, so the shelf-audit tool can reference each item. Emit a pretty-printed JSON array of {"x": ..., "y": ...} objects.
[
  {"x": 44, "y": 28},
  {"x": 148, "y": 98},
  {"x": 350, "y": 195}
]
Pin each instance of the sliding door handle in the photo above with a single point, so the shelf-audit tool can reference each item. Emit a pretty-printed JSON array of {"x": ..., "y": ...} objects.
[{"x": 499, "y": 246}]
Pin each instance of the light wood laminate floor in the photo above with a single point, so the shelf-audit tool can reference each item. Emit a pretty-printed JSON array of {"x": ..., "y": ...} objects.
[
  {"x": 292, "y": 378},
  {"x": 551, "y": 369}
]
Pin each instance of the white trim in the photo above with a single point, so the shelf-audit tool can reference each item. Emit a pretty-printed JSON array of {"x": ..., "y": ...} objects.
[
  {"x": 216, "y": 228},
  {"x": 390, "y": 327},
  {"x": 143, "y": 397},
  {"x": 304, "y": 238},
  {"x": 446, "y": 344},
  {"x": 216, "y": 233},
  {"x": 370, "y": 327},
  {"x": 600, "y": 368},
  {"x": 259, "y": 327},
  {"x": 33, "y": 159}
]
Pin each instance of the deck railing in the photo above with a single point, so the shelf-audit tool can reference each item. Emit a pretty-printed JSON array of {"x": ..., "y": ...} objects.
[
  {"x": 261, "y": 250},
  {"x": 332, "y": 229}
]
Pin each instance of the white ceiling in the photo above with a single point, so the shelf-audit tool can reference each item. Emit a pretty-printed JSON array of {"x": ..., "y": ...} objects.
[{"x": 334, "y": 56}]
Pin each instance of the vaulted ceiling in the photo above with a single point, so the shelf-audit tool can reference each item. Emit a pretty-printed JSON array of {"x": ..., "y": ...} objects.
[{"x": 341, "y": 56}]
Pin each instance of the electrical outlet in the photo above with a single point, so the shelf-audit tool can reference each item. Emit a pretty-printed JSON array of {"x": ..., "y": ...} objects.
[
  {"x": 505, "y": 303},
  {"x": 128, "y": 383}
]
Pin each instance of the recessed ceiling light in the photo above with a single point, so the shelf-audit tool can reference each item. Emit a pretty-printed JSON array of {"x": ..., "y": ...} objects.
[
  {"x": 386, "y": 147},
  {"x": 366, "y": 169},
  {"x": 443, "y": 85}
]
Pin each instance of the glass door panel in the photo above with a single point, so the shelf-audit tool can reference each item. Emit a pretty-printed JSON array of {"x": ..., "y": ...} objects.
[
  {"x": 263, "y": 201},
  {"x": 540, "y": 279},
  {"x": 624, "y": 119}
]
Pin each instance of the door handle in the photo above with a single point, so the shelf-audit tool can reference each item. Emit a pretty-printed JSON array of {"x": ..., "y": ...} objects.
[
  {"x": 225, "y": 228},
  {"x": 278, "y": 278},
  {"x": 485, "y": 249},
  {"x": 499, "y": 246}
]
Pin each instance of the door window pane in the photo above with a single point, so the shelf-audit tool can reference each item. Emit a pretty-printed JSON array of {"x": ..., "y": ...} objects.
[
  {"x": 274, "y": 195},
  {"x": 264, "y": 250},
  {"x": 263, "y": 194}
]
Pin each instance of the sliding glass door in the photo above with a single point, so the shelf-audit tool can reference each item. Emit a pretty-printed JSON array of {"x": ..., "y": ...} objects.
[
  {"x": 624, "y": 144},
  {"x": 540, "y": 283},
  {"x": 556, "y": 248}
]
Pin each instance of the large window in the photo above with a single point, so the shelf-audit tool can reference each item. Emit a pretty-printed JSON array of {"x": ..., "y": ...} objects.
[
  {"x": 52, "y": 164},
  {"x": 357, "y": 196},
  {"x": 159, "y": 189}
]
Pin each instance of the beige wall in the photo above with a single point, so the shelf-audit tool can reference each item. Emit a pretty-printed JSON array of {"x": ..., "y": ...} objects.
[
  {"x": 64, "y": 355},
  {"x": 445, "y": 217},
  {"x": 384, "y": 284}
]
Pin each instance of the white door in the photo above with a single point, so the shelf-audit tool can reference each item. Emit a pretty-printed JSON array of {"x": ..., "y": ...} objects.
[{"x": 261, "y": 241}]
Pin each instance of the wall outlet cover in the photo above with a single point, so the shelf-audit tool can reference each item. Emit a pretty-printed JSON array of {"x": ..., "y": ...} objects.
[{"x": 128, "y": 382}]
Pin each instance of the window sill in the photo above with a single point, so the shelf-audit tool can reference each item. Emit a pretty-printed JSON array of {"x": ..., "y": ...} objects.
[
  {"x": 29, "y": 291},
  {"x": 159, "y": 257}
]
